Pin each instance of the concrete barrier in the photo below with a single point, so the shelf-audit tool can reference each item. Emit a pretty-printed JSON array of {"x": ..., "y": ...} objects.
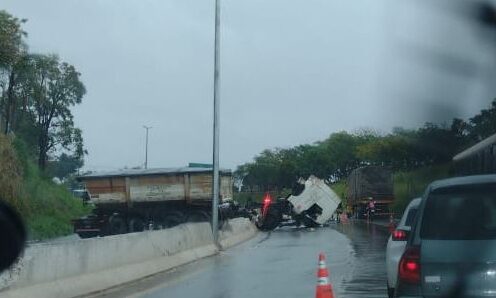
[
  {"x": 236, "y": 231},
  {"x": 74, "y": 268}
]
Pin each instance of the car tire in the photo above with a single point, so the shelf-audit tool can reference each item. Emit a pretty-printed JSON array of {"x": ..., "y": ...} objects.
[{"x": 390, "y": 291}]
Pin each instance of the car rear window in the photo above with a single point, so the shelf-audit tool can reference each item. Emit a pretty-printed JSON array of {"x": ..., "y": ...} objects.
[
  {"x": 460, "y": 213},
  {"x": 410, "y": 216}
]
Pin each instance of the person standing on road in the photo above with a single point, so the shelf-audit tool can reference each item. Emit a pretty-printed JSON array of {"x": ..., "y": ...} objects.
[{"x": 371, "y": 209}]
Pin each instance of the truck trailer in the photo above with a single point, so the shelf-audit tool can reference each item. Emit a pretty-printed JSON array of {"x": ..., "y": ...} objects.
[
  {"x": 371, "y": 183},
  {"x": 134, "y": 200}
]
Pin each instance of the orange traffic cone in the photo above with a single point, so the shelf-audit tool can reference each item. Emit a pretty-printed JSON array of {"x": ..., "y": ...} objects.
[{"x": 324, "y": 288}]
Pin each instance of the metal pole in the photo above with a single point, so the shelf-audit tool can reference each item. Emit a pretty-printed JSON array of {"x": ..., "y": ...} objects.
[
  {"x": 146, "y": 145},
  {"x": 216, "y": 182}
]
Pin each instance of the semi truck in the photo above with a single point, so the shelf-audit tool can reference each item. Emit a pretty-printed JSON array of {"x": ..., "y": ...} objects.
[
  {"x": 370, "y": 183},
  {"x": 134, "y": 200},
  {"x": 312, "y": 204}
]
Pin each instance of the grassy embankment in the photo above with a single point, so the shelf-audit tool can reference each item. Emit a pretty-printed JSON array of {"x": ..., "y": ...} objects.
[
  {"x": 410, "y": 185},
  {"x": 46, "y": 208}
]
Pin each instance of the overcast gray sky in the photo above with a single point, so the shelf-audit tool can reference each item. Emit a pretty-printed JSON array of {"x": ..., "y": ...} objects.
[{"x": 293, "y": 71}]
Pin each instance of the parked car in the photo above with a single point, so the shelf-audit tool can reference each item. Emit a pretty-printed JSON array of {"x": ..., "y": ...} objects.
[
  {"x": 397, "y": 242},
  {"x": 451, "y": 251}
]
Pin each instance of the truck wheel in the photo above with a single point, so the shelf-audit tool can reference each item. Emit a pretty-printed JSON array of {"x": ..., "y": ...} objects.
[
  {"x": 136, "y": 224},
  {"x": 117, "y": 225},
  {"x": 270, "y": 222},
  {"x": 307, "y": 222}
]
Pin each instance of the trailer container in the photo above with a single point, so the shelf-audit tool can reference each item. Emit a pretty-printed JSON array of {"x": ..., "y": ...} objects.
[
  {"x": 134, "y": 200},
  {"x": 371, "y": 183}
]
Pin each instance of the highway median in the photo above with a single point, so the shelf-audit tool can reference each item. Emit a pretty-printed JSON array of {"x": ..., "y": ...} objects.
[{"x": 77, "y": 268}]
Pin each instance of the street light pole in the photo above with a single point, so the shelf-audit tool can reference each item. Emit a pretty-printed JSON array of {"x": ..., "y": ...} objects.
[
  {"x": 146, "y": 145},
  {"x": 216, "y": 182}
]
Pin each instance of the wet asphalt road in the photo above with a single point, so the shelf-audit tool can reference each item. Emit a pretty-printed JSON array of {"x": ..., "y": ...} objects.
[{"x": 282, "y": 263}]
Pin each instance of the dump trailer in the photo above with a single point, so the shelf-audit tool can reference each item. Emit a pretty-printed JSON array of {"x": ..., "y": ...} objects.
[
  {"x": 312, "y": 205},
  {"x": 135, "y": 200},
  {"x": 371, "y": 183}
]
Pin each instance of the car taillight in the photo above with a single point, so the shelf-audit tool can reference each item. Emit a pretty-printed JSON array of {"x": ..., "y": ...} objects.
[
  {"x": 409, "y": 267},
  {"x": 399, "y": 235},
  {"x": 266, "y": 203}
]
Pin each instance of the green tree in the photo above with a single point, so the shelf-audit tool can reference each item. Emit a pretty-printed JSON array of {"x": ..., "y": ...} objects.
[
  {"x": 52, "y": 88},
  {"x": 341, "y": 152},
  {"x": 483, "y": 124},
  {"x": 391, "y": 150},
  {"x": 11, "y": 35},
  {"x": 12, "y": 52},
  {"x": 64, "y": 165}
]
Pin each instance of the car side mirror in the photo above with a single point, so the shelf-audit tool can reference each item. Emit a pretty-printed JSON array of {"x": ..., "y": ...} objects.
[{"x": 12, "y": 236}]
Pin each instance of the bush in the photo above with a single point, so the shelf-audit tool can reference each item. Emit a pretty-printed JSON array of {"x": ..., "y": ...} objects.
[
  {"x": 52, "y": 207},
  {"x": 46, "y": 208},
  {"x": 412, "y": 184},
  {"x": 340, "y": 188},
  {"x": 10, "y": 174}
]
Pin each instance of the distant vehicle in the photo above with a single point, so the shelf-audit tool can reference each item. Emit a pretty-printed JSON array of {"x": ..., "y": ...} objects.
[
  {"x": 371, "y": 183},
  {"x": 396, "y": 244},
  {"x": 134, "y": 200},
  {"x": 478, "y": 159},
  {"x": 451, "y": 250},
  {"x": 314, "y": 206}
]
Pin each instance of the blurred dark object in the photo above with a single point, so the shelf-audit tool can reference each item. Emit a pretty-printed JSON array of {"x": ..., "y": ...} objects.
[
  {"x": 487, "y": 14},
  {"x": 12, "y": 236}
]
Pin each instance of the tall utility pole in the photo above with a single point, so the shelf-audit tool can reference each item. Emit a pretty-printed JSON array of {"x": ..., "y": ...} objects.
[
  {"x": 216, "y": 182},
  {"x": 146, "y": 145}
]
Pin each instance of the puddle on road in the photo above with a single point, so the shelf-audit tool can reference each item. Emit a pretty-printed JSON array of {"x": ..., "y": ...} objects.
[{"x": 368, "y": 278}]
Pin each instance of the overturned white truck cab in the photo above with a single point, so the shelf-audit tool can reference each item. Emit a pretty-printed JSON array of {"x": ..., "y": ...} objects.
[{"x": 311, "y": 207}]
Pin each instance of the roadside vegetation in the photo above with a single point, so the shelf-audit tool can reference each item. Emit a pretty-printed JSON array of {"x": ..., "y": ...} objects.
[
  {"x": 38, "y": 140},
  {"x": 417, "y": 157},
  {"x": 411, "y": 184},
  {"x": 340, "y": 188}
]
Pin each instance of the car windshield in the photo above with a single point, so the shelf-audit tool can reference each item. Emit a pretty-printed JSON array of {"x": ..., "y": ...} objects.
[
  {"x": 460, "y": 213},
  {"x": 225, "y": 144}
]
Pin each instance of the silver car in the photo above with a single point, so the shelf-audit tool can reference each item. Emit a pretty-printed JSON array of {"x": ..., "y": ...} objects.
[
  {"x": 451, "y": 251},
  {"x": 396, "y": 244}
]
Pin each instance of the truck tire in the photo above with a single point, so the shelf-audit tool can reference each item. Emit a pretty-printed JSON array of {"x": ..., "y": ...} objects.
[
  {"x": 136, "y": 224},
  {"x": 269, "y": 223},
  {"x": 117, "y": 225},
  {"x": 310, "y": 224},
  {"x": 272, "y": 219}
]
